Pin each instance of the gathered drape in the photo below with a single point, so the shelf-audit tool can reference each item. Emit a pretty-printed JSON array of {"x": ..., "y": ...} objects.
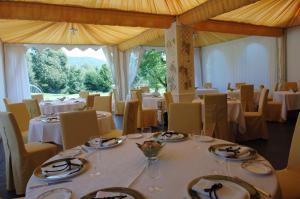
[
  {"x": 2, "y": 77},
  {"x": 16, "y": 73}
]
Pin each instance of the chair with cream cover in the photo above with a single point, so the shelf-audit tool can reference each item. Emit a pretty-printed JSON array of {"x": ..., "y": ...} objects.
[
  {"x": 83, "y": 94},
  {"x": 38, "y": 97},
  {"x": 78, "y": 127},
  {"x": 215, "y": 117},
  {"x": 129, "y": 120},
  {"x": 207, "y": 85},
  {"x": 289, "y": 178},
  {"x": 103, "y": 103},
  {"x": 291, "y": 86},
  {"x": 180, "y": 120},
  {"x": 6, "y": 101},
  {"x": 19, "y": 110},
  {"x": 119, "y": 105},
  {"x": 239, "y": 84},
  {"x": 147, "y": 117},
  {"x": 247, "y": 98},
  {"x": 145, "y": 89},
  {"x": 21, "y": 159},
  {"x": 32, "y": 107},
  {"x": 169, "y": 99},
  {"x": 90, "y": 100},
  {"x": 255, "y": 121}
]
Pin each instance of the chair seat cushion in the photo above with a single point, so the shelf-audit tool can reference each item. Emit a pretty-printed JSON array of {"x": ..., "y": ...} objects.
[
  {"x": 289, "y": 183},
  {"x": 40, "y": 152}
]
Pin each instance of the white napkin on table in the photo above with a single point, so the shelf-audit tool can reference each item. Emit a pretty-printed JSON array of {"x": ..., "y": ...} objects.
[
  {"x": 242, "y": 151},
  {"x": 171, "y": 137},
  {"x": 102, "y": 194},
  {"x": 228, "y": 191}
]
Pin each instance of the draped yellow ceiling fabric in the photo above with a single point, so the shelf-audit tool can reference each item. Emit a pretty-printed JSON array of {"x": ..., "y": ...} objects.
[
  {"x": 275, "y": 13},
  {"x": 24, "y": 31},
  {"x": 171, "y": 7}
]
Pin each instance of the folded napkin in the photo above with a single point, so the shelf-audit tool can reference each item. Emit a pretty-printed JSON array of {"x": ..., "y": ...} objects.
[
  {"x": 224, "y": 190},
  {"x": 100, "y": 115},
  {"x": 112, "y": 195},
  {"x": 62, "y": 167},
  {"x": 109, "y": 142},
  {"x": 229, "y": 151},
  {"x": 171, "y": 136},
  {"x": 97, "y": 142}
]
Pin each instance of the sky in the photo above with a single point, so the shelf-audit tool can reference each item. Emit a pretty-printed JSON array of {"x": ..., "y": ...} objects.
[{"x": 75, "y": 52}]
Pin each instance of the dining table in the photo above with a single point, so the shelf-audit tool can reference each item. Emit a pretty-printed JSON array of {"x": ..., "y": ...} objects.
[
  {"x": 177, "y": 165},
  {"x": 61, "y": 105},
  {"x": 234, "y": 110},
  {"x": 290, "y": 100},
  {"x": 203, "y": 91},
  {"x": 41, "y": 130}
]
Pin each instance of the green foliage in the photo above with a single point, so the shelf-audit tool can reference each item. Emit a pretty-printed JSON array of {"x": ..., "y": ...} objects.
[
  {"x": 98, "y": 79},
  {"x": 153, "y": 70},
  {"x": 75, "y": 80}
]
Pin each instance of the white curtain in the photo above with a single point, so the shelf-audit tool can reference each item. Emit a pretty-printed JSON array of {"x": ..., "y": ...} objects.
[
  {"x": 2, "y": 77},
  {"x": 252, "y": 60},
  {"x": 16, "y": 73},
  {"x": 197, "y": 67}
]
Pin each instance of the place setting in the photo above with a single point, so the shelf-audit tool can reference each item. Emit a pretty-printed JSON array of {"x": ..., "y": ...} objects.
[
  {"x": 114, "y": 193},
  {"x": 97, "y": 142},
  {"x": 170, "y": 136}
]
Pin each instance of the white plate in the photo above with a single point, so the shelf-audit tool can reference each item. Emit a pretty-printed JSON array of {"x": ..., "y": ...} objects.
[
  {"x": 61, "y": 193},
  {"x": 203, "y": 138},
  {"x": 257, "y": 167},
  {"x": 135, "y": 136}
]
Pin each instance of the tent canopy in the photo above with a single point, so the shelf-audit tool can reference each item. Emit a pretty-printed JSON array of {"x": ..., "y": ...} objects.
[{"x": 129, "y": 23}]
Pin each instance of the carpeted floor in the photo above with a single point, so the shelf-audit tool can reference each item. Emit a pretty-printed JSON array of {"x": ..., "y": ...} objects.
[{"x": 276, "y": 149}]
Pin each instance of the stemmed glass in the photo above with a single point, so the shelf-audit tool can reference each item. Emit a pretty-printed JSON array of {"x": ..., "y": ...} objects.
[
  {"x": 154, "y": 174},
  {"x": 96, "y": 166}
]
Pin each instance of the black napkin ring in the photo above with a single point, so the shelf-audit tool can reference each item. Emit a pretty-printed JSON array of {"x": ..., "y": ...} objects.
[{"x": 213, "y": 190}]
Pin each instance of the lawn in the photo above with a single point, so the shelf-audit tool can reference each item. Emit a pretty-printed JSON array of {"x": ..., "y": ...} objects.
[{"x": 53, "y": 96}]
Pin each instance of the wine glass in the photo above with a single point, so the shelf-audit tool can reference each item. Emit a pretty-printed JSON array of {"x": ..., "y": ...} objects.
[
  {"x": 154, "y": 174},
  {"x": 96, "y": 142}
]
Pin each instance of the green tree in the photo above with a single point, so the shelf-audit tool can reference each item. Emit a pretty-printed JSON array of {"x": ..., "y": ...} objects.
[
  {"x": 153, "y": 70},
  {"x": 75, "y": 80},
  {"x": 105, "y": 79}
]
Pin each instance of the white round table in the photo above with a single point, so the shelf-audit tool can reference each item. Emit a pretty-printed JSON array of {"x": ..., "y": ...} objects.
[
  {"x": 290, "y": 101},
  {"x": 179, "y": 163},
  {"x": 40, "y": 131},
  {"x": 57, "y": 106}
]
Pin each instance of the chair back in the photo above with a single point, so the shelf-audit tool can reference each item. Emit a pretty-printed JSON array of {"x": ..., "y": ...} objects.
[
  {"x": 133, "y": 93},
  {"x": 33, "y": 107},
  {"x": 83, "y": 94},
  {"x": 78, "y": 127},
  {"x": 263, "y": 100},
  {"x": 215, "y": 117},
  {"x": 90, "y": 100},
  {"x": 19, "y": 110},
  {"x": 185, "y": 117},
  {"x": 169, "y": 99},
  {"x": 103, "y": 103},
  {"x": 38, "y": 97},
  {"x": 6, "y": 101},
  {"x": 291, "y": 86},
  {"x": 247, "y": 98},
  {"x": 207, "y": 85},
  {"x": 294, "y": 156},
  {"x": 239, "y": 84},
  {"x": 145, "y": 89},
  {"x": 130, "y": 117}
]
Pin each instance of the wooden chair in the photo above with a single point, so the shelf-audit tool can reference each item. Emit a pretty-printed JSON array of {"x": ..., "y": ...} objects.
[
  {"x": 289, "y": 178},
  {"x": 78, "y": 127},
  {"x": 6, "y": 101},
  {"x": 103, "y": 103},
  {"x": 32, "y": 107},
  {"x": 180, "y": 120},
  {"x": 239, "y": 84},
  {"x": 291, "y": 86},
  {"x": 90, "y": 100},
  {"x": 83, "y": 94},
  {"x": 119, "y": 105},
  {"x": 38, "y": 97},
  {"x": 247, "y": 98},
  {"x": 169, "y": 99},
  {"x": 21, "y": 159}
]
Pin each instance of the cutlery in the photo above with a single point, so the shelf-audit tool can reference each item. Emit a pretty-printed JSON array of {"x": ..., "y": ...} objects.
[{"x": 49, "y": 184}]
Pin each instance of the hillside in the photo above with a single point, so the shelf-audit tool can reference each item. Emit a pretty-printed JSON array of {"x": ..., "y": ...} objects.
[{"x": 85, "y": 60}]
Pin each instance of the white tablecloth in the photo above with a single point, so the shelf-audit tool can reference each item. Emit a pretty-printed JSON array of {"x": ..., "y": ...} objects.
[
  {"x": 236, "y": 95},
  {"x": 179, "y": 163},
  {"x": 290, "y": 101},
  {"x": 57, "y": 106},
  {"x": 202, "y": 91},
  {"x": 235, "y": 113},
  {"x": 40, "y": 131},
  {"x": 152, "y": 102}
]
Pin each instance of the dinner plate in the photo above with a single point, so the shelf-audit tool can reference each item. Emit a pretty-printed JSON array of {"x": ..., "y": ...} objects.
[
  {"x": 95, "y": 145},
  {"x": 62, "y": 193},
  {"x": 135, "y": 135},
  {"x": 59, "y": 169},
  {"x": 253, "y": 193},
  {"x": 251, "y": 154},
  {"x": 257, "y": 167},
  {"x": 158, "y": 136},
  {"x": 135, "y": 194}
]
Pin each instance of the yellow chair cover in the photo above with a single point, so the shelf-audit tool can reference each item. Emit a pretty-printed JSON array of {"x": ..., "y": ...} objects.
[
  {"x": 255, "y": 121},
  {"x": 119, "y": 105},
  {"x": 169, "y": 99},
  {"x": 33, "y": 107},
  {"x": 83, "y": 94},
  {"x": 289, "y": 178},
  {"x": 215, "y": 113},
  {"x": 90, "y": 100},
  {"x": 247, "y": 98},
  {"x": 273, "y": 112},
  {"x": 239, "y": 84},
  {"x": 21, "y": 159},
  {"x": 133, "y": 93},
  {"x": 185, "y": 117},
  {"x": 145, "y": 89},
  {"x": 38, "y": 97},
  {"x": 103, "y": 103},
  {"x": 6, "y": 101},
  {"x": 207, "y": 85},
  {"x": 78, "y": 127},
  {"x": 292, "y": 86}
]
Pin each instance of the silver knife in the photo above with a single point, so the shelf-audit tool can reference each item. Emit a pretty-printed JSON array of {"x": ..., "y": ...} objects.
[{"x": 48, "y": 184}]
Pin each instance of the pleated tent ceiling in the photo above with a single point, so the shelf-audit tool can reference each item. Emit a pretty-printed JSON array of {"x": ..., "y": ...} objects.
[{"x": 23, "y": 26}]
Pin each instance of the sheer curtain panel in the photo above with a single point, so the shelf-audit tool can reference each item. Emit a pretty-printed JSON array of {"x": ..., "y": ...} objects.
[{"x": 2, "y": 77}]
